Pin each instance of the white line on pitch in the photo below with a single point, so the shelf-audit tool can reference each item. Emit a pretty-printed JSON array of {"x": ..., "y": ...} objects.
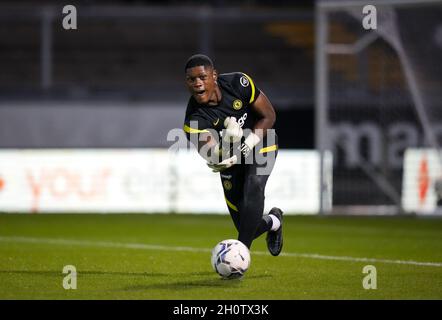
[{"x": 192, "y": 249}]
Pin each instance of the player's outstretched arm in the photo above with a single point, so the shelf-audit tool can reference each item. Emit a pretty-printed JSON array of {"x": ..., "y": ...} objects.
[
  {"x": 210, "y": 150},
  {"x": 207, "y": 145}
]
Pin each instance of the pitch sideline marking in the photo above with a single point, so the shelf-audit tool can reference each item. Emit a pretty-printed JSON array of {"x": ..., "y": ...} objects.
[{"x": 192, "y": 249}]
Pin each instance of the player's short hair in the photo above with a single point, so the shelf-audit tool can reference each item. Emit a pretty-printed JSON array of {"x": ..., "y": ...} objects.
[{"x": 198, "y": 60}]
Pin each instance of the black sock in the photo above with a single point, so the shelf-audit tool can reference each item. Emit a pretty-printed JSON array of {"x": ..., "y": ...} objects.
[{"x": 265, "y": 225}]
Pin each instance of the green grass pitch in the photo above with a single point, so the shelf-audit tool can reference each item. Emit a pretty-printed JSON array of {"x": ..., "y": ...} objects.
[{"x": 168, "y": 257}]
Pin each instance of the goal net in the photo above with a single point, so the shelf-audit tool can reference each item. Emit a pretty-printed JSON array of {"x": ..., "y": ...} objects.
[{"x": 378, "y": 93}]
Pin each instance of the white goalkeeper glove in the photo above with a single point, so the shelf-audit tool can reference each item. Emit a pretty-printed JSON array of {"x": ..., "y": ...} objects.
[
  {"x": 249, "y": 143},
  {"x": 223, "y": 165},
  {"x": 233, "y": 131},
  {"x": 232, "y": 134}
]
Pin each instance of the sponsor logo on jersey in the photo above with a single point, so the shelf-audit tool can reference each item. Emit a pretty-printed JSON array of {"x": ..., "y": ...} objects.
[
  {"x": 216, "y": 122},
  {"x": 244, "y": 81},
  {"x": 237, "y": 104},
  {"x": 226, "y": 176},
  {"x": 227, "y": 185},
  {"x": 242, "y": 120}
]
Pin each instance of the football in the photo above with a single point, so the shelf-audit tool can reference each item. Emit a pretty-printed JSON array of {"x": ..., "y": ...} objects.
[{"x": 230, "y": 259}]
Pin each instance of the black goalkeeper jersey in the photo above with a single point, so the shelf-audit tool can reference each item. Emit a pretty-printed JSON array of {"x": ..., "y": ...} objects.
[{"x": 238, "y": 93}]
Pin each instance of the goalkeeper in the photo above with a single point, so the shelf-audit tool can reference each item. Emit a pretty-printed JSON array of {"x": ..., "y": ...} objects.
[{"x": 230, "y": 122}]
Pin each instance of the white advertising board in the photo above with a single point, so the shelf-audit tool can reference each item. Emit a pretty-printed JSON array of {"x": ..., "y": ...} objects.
[
  {"x": 422, "y": 168},
  {"x": 141, "y": 180},
  {"x": 73, "y": 180}
]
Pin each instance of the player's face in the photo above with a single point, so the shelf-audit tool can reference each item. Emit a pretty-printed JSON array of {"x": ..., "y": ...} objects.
[{"x": 201, "y": 82}]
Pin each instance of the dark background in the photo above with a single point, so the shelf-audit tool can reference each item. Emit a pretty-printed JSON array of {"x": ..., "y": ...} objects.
[{"x": 117, "y": 56}]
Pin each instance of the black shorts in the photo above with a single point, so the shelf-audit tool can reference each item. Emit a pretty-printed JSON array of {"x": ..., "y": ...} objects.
[{"x": 236, "y": 180}]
